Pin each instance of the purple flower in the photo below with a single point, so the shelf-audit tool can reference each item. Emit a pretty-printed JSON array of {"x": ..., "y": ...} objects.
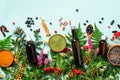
[
  {"x": 43, "y": 59},
  {"x": 90, "y": 43},
  {"x": 46, "y": 61},
  {"x": 40, "y": 58}
]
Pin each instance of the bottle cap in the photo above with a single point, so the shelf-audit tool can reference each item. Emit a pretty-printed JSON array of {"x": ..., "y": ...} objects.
[
  {"x": 103, "y": 37},
  {"x": 73, "y": 27},
  {"x": 28, "y": 37}
]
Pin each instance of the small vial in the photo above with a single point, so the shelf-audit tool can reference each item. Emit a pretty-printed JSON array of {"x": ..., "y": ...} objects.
[
  {"x": 103, "y": 46},
  {"x": 31, "y": 52}
]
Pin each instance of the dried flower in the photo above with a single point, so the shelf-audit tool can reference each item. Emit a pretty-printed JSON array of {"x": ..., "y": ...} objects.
[
  {"x": 48, "y": 69},
  {"x": 90, "y": 43},
  {"x": 58, "y": 70},
  {"x": 42, "y": 59},
  {"x": 70, "y": 74},
  {"x": 65, "y": 50},
  {"x": 46, "y": 61},
  {"x": 85, "y": 47},
  {"x": 78, "y": 72},
  {"x": 55, "y": 70}
]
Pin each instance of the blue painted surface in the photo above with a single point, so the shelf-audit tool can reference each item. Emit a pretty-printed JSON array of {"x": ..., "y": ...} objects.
[
  {"x": 51, "y": 10},
  {"x": 18, "y": 10}
]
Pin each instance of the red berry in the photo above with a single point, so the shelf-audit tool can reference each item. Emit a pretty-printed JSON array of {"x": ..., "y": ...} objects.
[
  {"x": 13, "y": 23},
  {"x": 112, "y": 38},
  {"x": 81, "y": 73},
  {"x": 68, "y": 49},
  {"x": 55, "y": 31},
  {"x": 38, "y": 30},
  {"x": 65, "y": 50},
  {"x": 108, "y": 26},
  {"x": 85, "y": 47}
]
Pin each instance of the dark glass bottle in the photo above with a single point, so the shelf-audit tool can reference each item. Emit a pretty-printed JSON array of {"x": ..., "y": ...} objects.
[
  {"x": 31, "y": 52},
  {"x": 103, "y": 46},
  {"x": 76, "y": 49}
]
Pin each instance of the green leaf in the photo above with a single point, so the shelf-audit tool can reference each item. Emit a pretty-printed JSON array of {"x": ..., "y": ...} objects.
[
  {"x": 80, "y": 35},
  {"x": 68, "y": 37},
  {"x": 6, "y": 43},
  {"x": 99, "y": 65},
  {"x": 96, "y": 37}
]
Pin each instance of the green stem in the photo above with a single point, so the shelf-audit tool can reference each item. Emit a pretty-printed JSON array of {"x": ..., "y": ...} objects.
[{"x": 58, "y": 59}]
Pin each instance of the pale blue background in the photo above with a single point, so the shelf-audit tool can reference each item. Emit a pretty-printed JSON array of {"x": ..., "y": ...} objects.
[{"x": 51, "y": 10}]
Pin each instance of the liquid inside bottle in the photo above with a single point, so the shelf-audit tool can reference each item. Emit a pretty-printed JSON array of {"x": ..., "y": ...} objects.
[
  {"x": 31, "y": 52},
  {"x": 103, "y": 46},
  {"x": 76, "y": 49}
]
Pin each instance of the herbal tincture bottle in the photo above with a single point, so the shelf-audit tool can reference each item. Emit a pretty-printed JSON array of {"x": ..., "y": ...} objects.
[
  {"x": 76, "y": 48},
  {"x": 103, "y": 46},
  {"x": 31, "y": 52}
]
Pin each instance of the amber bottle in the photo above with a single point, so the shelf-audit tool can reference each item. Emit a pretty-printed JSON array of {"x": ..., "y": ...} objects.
[
  {"x": 31, "y": 52},
  {"x": 76, "y": 49},
  {"x": 103, "y": 46}
]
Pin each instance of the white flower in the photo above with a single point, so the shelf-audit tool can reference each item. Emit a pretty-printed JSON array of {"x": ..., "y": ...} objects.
[
  {"x": 111, "y": 77},
  {"x": 102, "y": 70}
]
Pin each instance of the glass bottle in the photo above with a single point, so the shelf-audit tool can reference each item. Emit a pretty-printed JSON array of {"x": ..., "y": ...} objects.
[
  {"x": 31, "y": 52},
  {"x": 76, "y": 49},
  {"x": 103, "y": 46}
]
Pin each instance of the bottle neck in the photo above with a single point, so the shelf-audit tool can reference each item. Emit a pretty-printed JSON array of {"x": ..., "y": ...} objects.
[
  {"x": 103, "y": 41},
  {"x": 74, "y": 34},
  {"x": 28, "y": 42}
]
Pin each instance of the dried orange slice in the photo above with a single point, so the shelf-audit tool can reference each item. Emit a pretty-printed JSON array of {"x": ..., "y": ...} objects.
[
  {"x": 6, "y": 58},
  {"x": 57, "y": 43}
]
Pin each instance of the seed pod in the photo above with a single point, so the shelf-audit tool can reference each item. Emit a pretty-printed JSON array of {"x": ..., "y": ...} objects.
[{"x": 112, "y": 22}]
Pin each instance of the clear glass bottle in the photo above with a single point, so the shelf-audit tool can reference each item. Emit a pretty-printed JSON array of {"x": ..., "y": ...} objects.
[
  {"x": 76, "y": 49},
  {"x": 31, "y": 52}
]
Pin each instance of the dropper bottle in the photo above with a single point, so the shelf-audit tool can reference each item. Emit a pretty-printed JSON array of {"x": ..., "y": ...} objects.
[
  {"x": 103, "y": 46},
  {"x": 31, "y": 52},
  {"x": 78, "y": 59}
]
